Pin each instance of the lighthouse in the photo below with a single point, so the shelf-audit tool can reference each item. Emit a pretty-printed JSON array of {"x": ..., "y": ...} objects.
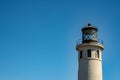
[{"x": 89, "y": 54}]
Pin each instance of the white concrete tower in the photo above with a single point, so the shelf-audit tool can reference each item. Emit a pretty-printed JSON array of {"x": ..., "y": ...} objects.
[{"x": 90, "y": 55}]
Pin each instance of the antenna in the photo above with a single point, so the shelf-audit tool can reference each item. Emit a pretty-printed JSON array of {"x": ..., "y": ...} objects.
[{"x": 90, "y": 19}]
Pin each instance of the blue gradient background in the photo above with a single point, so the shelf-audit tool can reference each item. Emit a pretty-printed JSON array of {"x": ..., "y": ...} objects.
[{"x": 38, "y": 37}]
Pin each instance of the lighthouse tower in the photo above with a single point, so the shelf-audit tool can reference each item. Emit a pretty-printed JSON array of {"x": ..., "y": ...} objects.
[{"x": 89, "y": 55}]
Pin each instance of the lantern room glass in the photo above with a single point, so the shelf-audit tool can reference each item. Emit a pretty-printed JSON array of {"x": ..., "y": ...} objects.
[{"x": 89, "y": 35}]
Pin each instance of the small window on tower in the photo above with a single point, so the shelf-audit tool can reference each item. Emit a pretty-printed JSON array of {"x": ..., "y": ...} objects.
[
  {"x": 89, "y": 53},
  {"x": 80, "y": 54},
  {"x": 98, "y": 54}
]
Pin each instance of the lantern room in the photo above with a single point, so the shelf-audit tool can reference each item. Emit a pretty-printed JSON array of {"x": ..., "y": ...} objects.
[{"x": 89, "y": 34}]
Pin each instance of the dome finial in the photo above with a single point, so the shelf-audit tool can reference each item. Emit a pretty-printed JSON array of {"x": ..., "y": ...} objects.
[{"x": 89, "y": 24}]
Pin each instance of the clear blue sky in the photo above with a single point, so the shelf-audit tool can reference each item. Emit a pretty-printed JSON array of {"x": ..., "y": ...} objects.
[{"x": 38, "y": 37}]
